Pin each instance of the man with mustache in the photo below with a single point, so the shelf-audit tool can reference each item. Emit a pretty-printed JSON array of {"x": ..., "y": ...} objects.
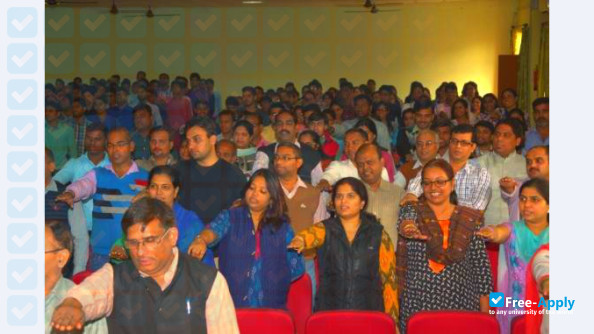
[
  {"x": 111, "y": 188},
  {"x": 537, "y": 165},
  {"x": 285, "y": 128},
  {"x": 539, "y": 135}
]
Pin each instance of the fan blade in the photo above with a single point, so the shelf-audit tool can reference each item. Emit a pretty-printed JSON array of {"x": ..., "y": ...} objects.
[{"x": 385, "y": 4}]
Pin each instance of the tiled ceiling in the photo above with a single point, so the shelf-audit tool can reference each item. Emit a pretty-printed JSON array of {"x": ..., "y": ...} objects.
[{"x": 236, "y": 3}]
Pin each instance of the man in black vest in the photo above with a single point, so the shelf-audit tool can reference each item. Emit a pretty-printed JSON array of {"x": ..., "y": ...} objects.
[
  {"x": 285, "y": 129},
  {"x": 159, "y": 291}
]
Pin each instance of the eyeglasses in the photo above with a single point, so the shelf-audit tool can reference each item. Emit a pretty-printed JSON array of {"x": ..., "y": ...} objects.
[
  {"x": 439, "y": 183},
  {"x": 281, "y": 123},
  {"x": 425, "y": 144},
  {"x": 149, "y": 242},
  {"x": 54, "y": 250},
  {"x": 454, "y": 142},
  {"x": 118, "y": 144},
  {"x": 284, "y": 158}
]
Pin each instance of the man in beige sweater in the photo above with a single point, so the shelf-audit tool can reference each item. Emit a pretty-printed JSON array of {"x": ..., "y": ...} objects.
[{"x": 384, "y": 197}]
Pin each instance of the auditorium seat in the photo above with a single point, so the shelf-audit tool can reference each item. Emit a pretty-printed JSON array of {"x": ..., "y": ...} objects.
[
  {"x": 350, "y": 322},
  {"x": 493, "y": 255},
  {"x": 264, "y": 321},
  {"x": 452, "y": 322},
  {"x": 518, "y": 325},
  {"x": 299, "y": 302}
]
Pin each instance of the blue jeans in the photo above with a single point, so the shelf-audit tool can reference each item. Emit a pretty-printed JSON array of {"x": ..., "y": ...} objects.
[{"x": 310, "y": 270}]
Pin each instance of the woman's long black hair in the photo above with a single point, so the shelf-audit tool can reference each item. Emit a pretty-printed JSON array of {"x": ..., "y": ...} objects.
[{"x": 276, "y": 212}]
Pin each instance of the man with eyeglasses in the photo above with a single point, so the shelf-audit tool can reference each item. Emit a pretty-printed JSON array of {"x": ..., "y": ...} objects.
[
  {"x": 160, "y": 290},
  {"x": 285, "y": 127},
  {"x": 427, "y": 146},
  {"x": 112, "y": 188},
  {"x": 58, "y": 249},
  {"x": 473, "y": 182},
  {"x": 305, "y": 204}
]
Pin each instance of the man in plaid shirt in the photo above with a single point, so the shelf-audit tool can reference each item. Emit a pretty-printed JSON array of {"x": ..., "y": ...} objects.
[{"x": 472, "y": 182}]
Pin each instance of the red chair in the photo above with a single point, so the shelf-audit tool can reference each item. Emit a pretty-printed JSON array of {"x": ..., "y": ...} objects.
[
  {"x": 264, "y": 321},
  {"x": 80, "y": 276},
  {"x": 452, "y": 322},
  {"x": 518, "y": 325},
  {"x": 493, "y": 255},
  {"x": 350, "y": 322},
  {"x": 299, "y": 302}
]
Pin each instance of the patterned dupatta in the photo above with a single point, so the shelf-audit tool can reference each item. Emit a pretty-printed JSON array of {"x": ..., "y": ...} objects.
[{"x": 463, "y": 224}]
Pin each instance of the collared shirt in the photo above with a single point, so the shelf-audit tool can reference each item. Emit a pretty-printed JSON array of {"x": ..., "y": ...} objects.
[
  {"x": 78, "y": 228},
  {"x": 262, "y": 161},
  {"x": 513, "y": 166},
  {"x": 76, "y": 169},
  {"x": 95, "y": 294},
  {"x": 383, "y": 135},
  {"x": 345, "y": 168},
  {"x": 321, "y": 212},
  {"x": 80, "y": 129},
  {"x": 473, "y": 186},
  {"x": 384, "y": 204},
  {"x": 150, "y": 163},
  {"x": 142, "y": 149},
  {"x": 55, "y": 298},
  {"x": 533, "y": 139},
  {"x": 60, "y": 139},
  {"x": 400, "y": 180},
  {"x": 86, "y": 186}
]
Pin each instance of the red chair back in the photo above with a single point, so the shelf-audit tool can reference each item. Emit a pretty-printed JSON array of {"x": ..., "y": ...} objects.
[
  {"x": 264, "y": 321},
  {"x": 518, "y": 325},
  {"x": 350, "y": 322},
  {"x": 452, "y": 322},
  {"x": 493, "y": 254},
  {"x": 79, "y": 277},
  {"x": 299, "y": 302}
]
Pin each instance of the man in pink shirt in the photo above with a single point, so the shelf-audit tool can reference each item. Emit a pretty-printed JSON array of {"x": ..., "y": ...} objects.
[{"x": 161, "y": 290}]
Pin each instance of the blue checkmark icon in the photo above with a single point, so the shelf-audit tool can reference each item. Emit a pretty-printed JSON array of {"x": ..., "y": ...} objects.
[
  {"x": 22, "y": 310},
  {"x": 21, "y": 130},
  {"x": 22, "y": 22},
  {"x": 22, "y": 58},
  {"x": 496, "y": 299},
  {"x": 21, "y": 238}
]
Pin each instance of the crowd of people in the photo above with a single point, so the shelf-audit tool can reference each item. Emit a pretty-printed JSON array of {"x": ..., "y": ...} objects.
[{"x": 183, "y": 206}]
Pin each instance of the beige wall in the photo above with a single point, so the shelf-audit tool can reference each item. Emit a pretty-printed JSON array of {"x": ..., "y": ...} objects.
[{"x": 457, "y": 41}]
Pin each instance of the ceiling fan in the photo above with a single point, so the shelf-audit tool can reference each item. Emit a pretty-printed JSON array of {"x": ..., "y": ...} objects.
[
  {"x": 149, "y": 12},
  {"x": 373, "y": 7}
]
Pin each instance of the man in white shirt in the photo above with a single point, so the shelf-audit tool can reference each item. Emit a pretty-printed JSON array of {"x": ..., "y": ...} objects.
[
  {"x": 337, "y": 170},
  {"x": 504, "y": 161}
]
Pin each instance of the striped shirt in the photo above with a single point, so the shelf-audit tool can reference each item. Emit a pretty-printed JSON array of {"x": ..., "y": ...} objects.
[{"x": 473, "y": 186}]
